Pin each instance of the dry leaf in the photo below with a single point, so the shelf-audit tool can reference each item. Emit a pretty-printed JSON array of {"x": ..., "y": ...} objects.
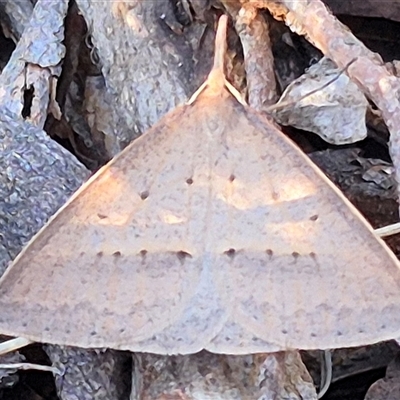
[
  {"x": 387, "y": 388},
  {"x": 336, "y": 113}
]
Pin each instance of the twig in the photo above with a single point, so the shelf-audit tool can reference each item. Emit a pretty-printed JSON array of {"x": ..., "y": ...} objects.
[
  {"x": 27, "y": 366},
  {"x": 388, "y": 230},
  {"x": 289, "y": 103},
  {"x": 13, "y": 344},
  {"x": 253, "y": 30},
  {"x": 326, "y": 373}
]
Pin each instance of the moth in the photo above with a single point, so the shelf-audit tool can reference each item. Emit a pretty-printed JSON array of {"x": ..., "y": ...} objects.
[{"x": 210, "y": 231}]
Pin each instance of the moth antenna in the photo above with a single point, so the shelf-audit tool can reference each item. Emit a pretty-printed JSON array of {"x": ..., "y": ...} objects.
[{"x": 216, "y": 81}]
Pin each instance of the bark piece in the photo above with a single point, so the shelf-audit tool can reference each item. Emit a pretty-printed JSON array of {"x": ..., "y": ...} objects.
[
  {"x": 99, "y": 115},
  {"x": 387, "y": 388},
  {"x": 14, "y": 17},
  {"x": 91, "y": 374},
  {"x": 147, "y": 67},
  {"x": 37, "y": 177},
  {"x": 27, "y": 80},
  {"x": 352, "y": 174},
  {"x": 274, "y": 376}
]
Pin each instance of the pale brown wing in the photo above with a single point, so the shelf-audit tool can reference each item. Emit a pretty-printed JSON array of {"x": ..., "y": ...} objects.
[
  {"x": 124, "y": 259},
  {"x": 295, "y": 262}
]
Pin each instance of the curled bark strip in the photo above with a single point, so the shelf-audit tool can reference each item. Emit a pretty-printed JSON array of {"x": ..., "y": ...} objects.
[
  {"x": 26, "y": 80},
  {"x": 312, "y": 19}
]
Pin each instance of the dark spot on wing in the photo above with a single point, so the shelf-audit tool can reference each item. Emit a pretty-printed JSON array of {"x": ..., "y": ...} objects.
[
  {"x": 232, "y": 178},
  {"x": 296, "y": 255},
  {"x": 182, "y": 255},
  {"x": 102, "y": 216},
  {"x": 230, "y": 253},
  {"x": 314, "y": 218},
  {"x": 143, "y": 253},
  {"x": 117, "y": 254},
  {"x": 189, "y": 181},
  {"x": 144, "y": 195}
]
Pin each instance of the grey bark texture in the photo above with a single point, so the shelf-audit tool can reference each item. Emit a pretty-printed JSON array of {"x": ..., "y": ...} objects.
[
  {"x": 14, "y": 16},
  {"x": 91, "y": 374},
  {"x": 148, "y": 68},
  {"x": 36, "y": 177}
]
